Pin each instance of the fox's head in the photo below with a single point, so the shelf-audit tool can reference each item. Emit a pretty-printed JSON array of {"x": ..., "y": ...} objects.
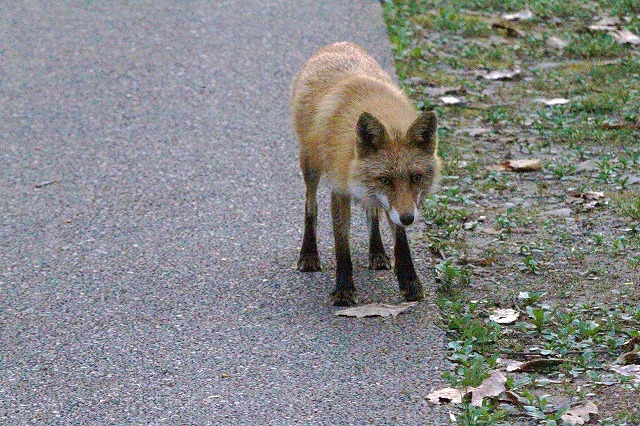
[{"x": 393, "y": 170}]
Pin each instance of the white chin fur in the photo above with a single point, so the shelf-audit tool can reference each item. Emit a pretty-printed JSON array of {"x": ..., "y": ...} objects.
[{"x": 395, "y": 217}]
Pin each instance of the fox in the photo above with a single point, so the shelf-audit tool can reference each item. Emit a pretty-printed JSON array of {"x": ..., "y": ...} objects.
[{"x": 361, "y": 133}]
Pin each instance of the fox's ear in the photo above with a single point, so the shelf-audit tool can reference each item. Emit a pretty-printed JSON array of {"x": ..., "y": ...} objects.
[
  {"x": 423, "y": 133},
  {"x": 371, "y": 134}
]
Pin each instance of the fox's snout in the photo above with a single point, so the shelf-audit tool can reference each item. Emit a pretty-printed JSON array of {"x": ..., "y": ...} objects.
[
  {"x": 402, "y": 211},
  {"x": 407, "y": 218},
  {"x": 403, "y": 218}
]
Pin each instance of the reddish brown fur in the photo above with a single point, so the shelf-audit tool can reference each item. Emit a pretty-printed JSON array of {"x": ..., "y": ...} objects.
[
  {"x": 336, "y": 85},
  {"x": 358, "y": 129}
]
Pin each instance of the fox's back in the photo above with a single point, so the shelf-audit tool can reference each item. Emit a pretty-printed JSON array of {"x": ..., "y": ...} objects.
[
  {"x": 323, "y": 72},
  {"x": 333, "y": 63},
  {"x": 336, "y": 85}
]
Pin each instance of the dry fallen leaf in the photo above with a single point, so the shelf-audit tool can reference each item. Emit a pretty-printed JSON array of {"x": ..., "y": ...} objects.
[
  {"x": 523, "y": 15},
  {"x": 558, "y": 212},
  {"x": 542, "y": 364},
  {"x": 557, "y": 42},
  {"x": 602, "y": 27},
  {"x": 556, "y": 101},
  {"x": 46, "y": 183},
  {"x": 511, "y": 364},
  {"x": 576, "y": 197},
  {"x": 446, "y": 395},
  {"x": 519, "y": 165},
  {"x": 491, "y": 231},
  {"x": 631, "y": 344},
  {"x": 589, "y": 206},
  {"x": 492, "y": 386},
  {"x": 482, "y": 261},
  {"x": 620, "y": 126},
  {"x": 624, "y": 36},
  {"x": 450, "y": 100},
  {"x": 592, "y": 195},
  {"x": 511, "y": 31},
  {"x": 439, "y": 91},
  {"x": 609, "y": 20},
  {"x": 629, "y": 358},
  {"x": 513, "y": 398},
  {"x": 504, "y": 316},
  {"x": 375, "y": 310},
  {"x": 607, "y": 23},
  {"x": 525, "y": 165},
  {"x": 629, "y": 371},
  {"x": 503, "y": 74},
  {"x": 478, "y": 131},
  {"x": 579, "y": 414}
]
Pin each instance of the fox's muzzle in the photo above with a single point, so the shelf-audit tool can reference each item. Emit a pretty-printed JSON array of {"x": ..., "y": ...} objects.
[
  {"x": 403, "y": 219},
  {"x": 407, "y": 219}
]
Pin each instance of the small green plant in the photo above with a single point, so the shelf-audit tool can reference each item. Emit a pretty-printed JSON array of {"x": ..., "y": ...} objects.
[
  {"x": 531, "y": 264},
  {"x": 497, "y": 181},
  {"x": 633, "y": 156},
  {"x": 606, "y": 170},
  {"x": 620, "y": 243},
  {"x": 528, "y": 298},
  {"x": 451, "y": 277},
  {"x": 561, "y": 171},
  {"x": 630, "y": 208},
  {"x": 598, "y": 239},
  {"x": 540, "y": 317},
  {"x": 539, "y": 408},
  {"x": 471, "y": 415},
  {"x": 496, "y": 114}
]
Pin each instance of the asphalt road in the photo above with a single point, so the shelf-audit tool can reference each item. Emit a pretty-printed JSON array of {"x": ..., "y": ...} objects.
[{"x": 150, "y": 218}]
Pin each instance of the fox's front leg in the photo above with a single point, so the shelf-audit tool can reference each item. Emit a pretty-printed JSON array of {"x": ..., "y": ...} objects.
[
  {"x": 378, "y": 259},
  {"x": 408, "y": 280},
  {"x": 345, "y": 292}
]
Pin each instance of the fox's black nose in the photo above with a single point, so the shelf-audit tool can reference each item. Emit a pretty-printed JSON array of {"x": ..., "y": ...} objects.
[{"x": 406, "y": 219}]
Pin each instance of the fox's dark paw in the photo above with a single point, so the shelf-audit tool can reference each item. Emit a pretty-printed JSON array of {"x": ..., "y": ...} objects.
[
  {"x": 412, "y": 291},
  {"x": 309, "y": 263},
  {"x": 344, "y": 297},
  {"x": 379, "y": 262}
]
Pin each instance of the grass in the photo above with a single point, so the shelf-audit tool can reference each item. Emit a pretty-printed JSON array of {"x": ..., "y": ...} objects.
[
  {"x": 573, "y": 276},
  {"x": 629, "y": 207},
  {"x": 585, "y": 337},
  {"x": 590, "y": 46},
  {"x": 448, "y": 19}
]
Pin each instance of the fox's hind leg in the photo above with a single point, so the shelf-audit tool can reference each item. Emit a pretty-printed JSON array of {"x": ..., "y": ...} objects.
[
  {"x": 378, "y": 259},
  {"x": 309, "y": 259}
]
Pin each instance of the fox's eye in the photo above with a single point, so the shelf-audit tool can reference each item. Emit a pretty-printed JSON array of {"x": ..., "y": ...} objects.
[
  {"x": 415, "y": 178},
  {"x": 385, "y": 180}
]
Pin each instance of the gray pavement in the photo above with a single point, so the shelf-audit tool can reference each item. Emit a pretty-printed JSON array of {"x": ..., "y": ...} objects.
[{"x": 150, "y": 219}]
